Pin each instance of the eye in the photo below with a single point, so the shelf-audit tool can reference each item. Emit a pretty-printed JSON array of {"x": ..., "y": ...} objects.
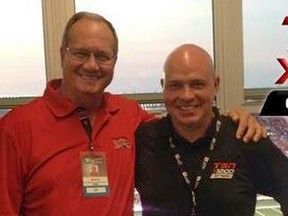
[
  {"x": 173, "y": 86},
  {"x": 102, "y": 57},
  {"x": 198, "y": 84},
  {"x": 80, "y": 54}
]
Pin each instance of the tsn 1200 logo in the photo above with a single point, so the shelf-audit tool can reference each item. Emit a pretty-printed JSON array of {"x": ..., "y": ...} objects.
[{"x": 276, "y": 103}]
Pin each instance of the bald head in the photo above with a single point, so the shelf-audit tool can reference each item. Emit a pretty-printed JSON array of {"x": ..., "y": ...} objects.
[
  {"x": 189, "y": 88},
  {"x": 187, "y": 55}
]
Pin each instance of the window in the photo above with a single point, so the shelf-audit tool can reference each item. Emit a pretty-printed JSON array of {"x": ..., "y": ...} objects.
[
  {"x": 147, "y": 32},
  {"x": 22, "y": 65},
  {"x": 164, "y": 23}
]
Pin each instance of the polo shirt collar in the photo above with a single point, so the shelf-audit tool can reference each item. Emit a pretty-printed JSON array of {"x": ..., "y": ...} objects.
[
  {"x": 167, "y": 126},
  {"x": 61, "y": 106}
]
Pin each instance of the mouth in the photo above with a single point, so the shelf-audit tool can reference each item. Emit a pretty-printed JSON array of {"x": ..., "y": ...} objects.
[
  {"x": 187, "y": 107},
  {"x": 89, "y": 76}
]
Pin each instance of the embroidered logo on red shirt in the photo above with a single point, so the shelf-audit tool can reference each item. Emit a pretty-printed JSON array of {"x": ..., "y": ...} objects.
[
  {"x": 121, "y": 143},
  {"x": 223, "y": 170}
]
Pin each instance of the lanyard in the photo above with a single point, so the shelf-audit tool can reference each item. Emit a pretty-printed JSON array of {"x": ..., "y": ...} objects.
[
  {"x": 184, "y": 171},
  {"x": 86, "y": 124}
]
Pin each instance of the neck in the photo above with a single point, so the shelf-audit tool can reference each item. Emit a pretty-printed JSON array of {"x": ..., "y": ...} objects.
[
  {"x": 193, "y": 132},
  {"x": 91, "y": 102}
]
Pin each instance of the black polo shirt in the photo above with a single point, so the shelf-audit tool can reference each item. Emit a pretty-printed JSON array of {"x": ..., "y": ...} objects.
[{"x": 236, "y": 172}]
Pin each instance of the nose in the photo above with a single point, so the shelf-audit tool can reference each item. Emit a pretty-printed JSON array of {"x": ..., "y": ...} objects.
[
  {"x": 187, "y": 93},
  {"x": 91, "y": 62}
]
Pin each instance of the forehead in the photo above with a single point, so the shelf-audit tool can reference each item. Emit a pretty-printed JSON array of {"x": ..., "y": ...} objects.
[
  {"x": 89, "y": 32},
  {"x": 188, "y": 68}
]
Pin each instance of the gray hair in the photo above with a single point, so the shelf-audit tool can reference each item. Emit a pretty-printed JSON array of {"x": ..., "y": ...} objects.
[{"x": 93, "y": 16}]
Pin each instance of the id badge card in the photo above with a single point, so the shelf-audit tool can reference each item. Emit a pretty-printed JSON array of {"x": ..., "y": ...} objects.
[{"x": 94, "y": 174}]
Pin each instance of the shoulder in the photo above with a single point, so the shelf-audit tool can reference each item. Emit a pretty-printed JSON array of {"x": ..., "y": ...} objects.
[
  {"x": 114, "y": 99},
  {"x": 22, "y": 112},
  {"x": 265, "y": 148},
  {"x": 228, "y": 130},
  {"x": 151, "y": 141},
  {"x": 119, "y": 102},
  {"x": 228, "y": 124},
  {"x": 149, "y": 133},
  {"x": 127, "y": 108},
  {"x": 20, "y": 118},
  {"x": 153, "y": 127}
]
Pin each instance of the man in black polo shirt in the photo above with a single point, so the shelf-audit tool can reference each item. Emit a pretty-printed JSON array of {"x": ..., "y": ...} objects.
[{"x": 190, "y": 162}]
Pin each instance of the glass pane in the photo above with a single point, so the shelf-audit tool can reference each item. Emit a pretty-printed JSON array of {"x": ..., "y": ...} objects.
[
  {"x": 148, "y": 30},
  {"x": 22, "y": 66},
  {"x": 265, "y": 40}
]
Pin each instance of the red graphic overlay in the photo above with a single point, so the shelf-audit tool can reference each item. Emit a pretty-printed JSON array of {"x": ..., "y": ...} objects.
[
  {"x": 285, "y": 21},
  {"x": 284, "y": 76}
]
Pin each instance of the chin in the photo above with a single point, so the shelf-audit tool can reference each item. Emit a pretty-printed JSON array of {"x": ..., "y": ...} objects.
[
  {"x": 191, "y": 119},
  {"x": 190, "y": 123},
  {"x": 94, "y": 92},
  {"x": 92, "y": 87},
  {"x": 90, "y": 91}
]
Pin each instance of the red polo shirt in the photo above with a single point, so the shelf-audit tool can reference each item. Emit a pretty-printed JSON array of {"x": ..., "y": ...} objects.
[{"x": 40, "y": 167}]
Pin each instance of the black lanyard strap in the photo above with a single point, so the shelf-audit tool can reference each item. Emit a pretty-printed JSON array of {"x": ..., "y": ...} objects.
[
  {"x": 86, "y": 124},
  {"x": 185, "y": 172}
]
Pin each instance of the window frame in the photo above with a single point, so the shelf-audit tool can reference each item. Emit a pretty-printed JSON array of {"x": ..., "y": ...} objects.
[{"x": 228, "y": 54}]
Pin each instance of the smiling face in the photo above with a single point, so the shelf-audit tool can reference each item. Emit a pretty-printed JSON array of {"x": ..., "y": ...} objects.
[
  {"x": 89, "y": 77},
  {"x": 189, "y": 87}
]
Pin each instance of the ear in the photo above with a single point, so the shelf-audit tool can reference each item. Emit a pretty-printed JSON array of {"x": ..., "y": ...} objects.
[
  {"x": 62, "y": 55},
  {"x": 162, "y": 82},
  {"x": 216, "y": 83},
  {"x": 116, "y": 57}
]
